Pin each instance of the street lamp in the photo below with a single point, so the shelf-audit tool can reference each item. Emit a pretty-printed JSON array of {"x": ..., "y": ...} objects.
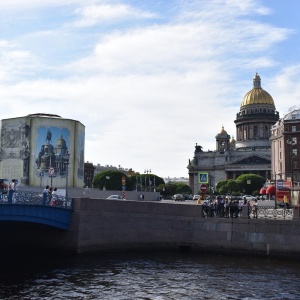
[
  {"x": 67, "y": 158},
  {"x": 146, "y": 172}
]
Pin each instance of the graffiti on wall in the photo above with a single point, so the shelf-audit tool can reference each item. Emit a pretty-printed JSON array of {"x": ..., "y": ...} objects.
[
  {"x": 15, "y": 147},
  {"x": 51, "y": 147}
]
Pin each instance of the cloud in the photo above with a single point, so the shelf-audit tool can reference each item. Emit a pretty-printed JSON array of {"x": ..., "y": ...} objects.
[
  {"x": 147, "y": 92},
  {"x": 95, "y": 14}
]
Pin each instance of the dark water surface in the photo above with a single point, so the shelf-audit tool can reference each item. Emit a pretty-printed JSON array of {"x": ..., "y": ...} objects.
[{"x": 144, "y": 275}]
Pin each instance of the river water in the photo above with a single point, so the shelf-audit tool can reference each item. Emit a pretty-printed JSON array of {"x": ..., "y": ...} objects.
[{"x": 148, "y": 276}]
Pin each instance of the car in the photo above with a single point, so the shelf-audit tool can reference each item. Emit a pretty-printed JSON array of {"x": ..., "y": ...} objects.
[
  {"x": 118, "y": 197},
  {"x": 196, "y": 197},
  {"x": 249, "y": 197},
  {"x": 178, "y": 197}
]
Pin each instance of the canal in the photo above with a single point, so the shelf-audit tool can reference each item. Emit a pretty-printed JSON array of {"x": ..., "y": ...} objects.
[{"x": 158, "y": 275}]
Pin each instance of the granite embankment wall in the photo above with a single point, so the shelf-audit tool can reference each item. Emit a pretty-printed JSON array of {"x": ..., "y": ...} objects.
[{"x": 108, "y": 225}]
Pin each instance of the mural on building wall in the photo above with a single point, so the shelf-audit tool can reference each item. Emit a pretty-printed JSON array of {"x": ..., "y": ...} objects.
[
  {"x": 80, "y": 146},
  {"x": 15, "y": 144},
  {"x": 52, "y": 145}
]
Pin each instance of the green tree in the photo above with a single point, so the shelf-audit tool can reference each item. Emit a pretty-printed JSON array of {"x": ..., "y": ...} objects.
[
  {"x": 233, "y": 186},
  {"x": 182, "y": 188},
  {"x": 221, "y": 186},
  {"x": 112, "y": 180},
  {"x": 250, "y": 182}
]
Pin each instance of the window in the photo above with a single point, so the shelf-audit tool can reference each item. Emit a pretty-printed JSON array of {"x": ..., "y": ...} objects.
[
  {"x": 293, "y": 128},
  {"x": 294, "y": 151},
  {"x": 255, "y": 131},
  {"x": 294, "y": 141}
]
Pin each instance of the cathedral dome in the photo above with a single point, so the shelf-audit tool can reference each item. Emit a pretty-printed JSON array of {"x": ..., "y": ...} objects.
[
  {"x": 61, "y": 143},
  {"x": 257, "y": 95}
]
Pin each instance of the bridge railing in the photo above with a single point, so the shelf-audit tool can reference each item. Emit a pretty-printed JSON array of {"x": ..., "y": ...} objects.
[{"x": 35, "y": 198}]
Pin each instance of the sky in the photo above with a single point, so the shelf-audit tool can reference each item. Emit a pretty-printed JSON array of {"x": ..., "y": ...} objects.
[{"x": 147, "y": 79}]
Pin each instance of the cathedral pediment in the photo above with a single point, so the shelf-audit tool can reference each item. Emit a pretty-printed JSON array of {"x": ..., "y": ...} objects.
[{"x": 253, "y": 159}]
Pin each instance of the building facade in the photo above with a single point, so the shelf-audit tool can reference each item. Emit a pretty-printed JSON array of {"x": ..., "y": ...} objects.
[
  {"x": 42, "y": 149},
  {"x": 285, "y": 138},
  {"x": 249, "y": 153}
]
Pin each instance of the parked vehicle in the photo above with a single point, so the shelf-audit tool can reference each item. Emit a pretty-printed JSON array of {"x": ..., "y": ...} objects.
[
  {"x": 178, "y": 197},
  {"x": 196, "y": 197},
  {"x": 118, "y": 197},
  {"x": 249, "y": 197}
]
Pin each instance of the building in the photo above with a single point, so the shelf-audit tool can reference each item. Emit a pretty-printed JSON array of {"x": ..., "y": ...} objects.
[
  {"x": 42, "y": 149},
  {"x": 285, "y": 146},
  {"x": 249, "y": 153},
  {"x": 89, "y": 171}
]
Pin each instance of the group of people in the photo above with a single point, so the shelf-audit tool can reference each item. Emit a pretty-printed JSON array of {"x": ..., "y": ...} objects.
[
  {"x": 223, "y": 207},
  {"x": 50, "y": 196}
]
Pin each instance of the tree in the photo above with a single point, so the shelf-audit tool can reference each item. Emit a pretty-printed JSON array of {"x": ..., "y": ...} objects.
[
  {"x": 250, "y": 182},
  {"x": 182, "y": 188},
  {"x": 233, "y": 186},
  {"x": 112, "y": 180},
  {"x": 221, "y": 186}
]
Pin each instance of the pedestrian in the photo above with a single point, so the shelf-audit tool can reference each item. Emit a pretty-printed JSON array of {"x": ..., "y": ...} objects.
[
  {"x": 54, "y": 200},
  {"x": 12, "y": 189},
  {"x": 45, "y": 195},
  {"x": 254, "y": 208}
]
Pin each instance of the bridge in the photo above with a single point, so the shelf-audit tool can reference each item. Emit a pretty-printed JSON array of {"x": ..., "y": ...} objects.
[{"x": 28, "y": 206}]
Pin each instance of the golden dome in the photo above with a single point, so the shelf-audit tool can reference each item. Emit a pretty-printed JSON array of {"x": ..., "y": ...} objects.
[
  {"x": 61, "y": 142},
  {"x": 223, "y": 131},
  {"x": 257, "y": 95}
]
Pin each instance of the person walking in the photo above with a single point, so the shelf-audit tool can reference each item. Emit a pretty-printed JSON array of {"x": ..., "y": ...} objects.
[
  {"x": 254, "y": 208},
  {"x": 12, "y": 189},
  {"x": 45, "y": 195}
]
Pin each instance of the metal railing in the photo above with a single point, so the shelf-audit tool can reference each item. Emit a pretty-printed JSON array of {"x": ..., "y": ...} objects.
[
  {"x": 35, "y": 198},
  {"x": 275, "y": 213},
  {"x": 263, "y": 212}
]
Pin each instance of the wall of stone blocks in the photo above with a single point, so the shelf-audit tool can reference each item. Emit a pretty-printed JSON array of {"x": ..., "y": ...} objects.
[{"x": 116, "y": 225}]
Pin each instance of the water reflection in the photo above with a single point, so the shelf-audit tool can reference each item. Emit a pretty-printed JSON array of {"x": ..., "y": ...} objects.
[{"x": 155, "y": 275}]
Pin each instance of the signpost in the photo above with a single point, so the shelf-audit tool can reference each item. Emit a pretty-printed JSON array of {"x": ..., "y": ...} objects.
[
  {"x": 123, "y": 187},
  {"x": 41, "y": 174},
  {"x": 203, "y": 188},
  {"x": 51, "y": 174}
]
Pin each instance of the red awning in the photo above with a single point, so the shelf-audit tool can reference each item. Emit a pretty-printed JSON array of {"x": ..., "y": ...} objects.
[
  {"x": 271, "y": 190},
  {"x": 262, "y": 191}
]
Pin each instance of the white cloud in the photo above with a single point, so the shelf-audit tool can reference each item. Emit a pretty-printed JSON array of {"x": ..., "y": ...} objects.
[
  {"x": 146, "y": 93},
  {"x": 95, "y": 14}
]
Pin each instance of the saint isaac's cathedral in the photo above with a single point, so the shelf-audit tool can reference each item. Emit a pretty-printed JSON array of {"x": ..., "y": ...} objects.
[{"x": 249, "y": 153}]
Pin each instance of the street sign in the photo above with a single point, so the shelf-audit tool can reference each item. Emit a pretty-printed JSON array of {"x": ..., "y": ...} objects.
[
  {"x": 203, "y": 188},
  {"x": 203, "y": 177},
  {"x": 41, "y": 174},
  {"x": 279, "y": 184}
]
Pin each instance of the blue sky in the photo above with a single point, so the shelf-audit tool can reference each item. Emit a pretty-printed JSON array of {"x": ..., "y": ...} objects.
[{"x": 148, "y": 79}]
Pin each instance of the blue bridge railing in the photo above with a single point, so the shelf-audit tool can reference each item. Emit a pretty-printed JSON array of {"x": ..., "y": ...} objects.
[{"x": 35, "y": 198}]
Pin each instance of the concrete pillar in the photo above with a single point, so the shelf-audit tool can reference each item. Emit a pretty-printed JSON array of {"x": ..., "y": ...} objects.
[
  {"x": 245, "y": 212},
  {"x": 296, "y": 212}
]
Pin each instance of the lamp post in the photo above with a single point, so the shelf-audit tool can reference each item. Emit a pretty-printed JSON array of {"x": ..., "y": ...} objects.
[
  {"x": 67, "y": 158},
  {"x": 146, "y": 172}
]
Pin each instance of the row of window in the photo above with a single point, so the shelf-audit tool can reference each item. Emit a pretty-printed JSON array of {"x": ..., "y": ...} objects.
[{"x": 256, "y": 110}]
